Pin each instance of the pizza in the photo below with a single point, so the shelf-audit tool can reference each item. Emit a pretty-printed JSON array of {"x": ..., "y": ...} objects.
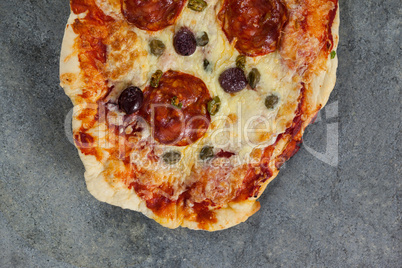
[{"x": 185, "y": 110}]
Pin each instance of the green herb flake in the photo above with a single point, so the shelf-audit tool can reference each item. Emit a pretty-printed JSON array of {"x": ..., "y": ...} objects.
[
  {"x": 155, "y": 78},
  {"x": 175, "y": 102}
]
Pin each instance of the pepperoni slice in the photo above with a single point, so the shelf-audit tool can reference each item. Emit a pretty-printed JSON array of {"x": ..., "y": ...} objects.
[
  {"x": 177, "y": 109},
  {"x": 151, "y": 15},
  {"x": 255, "y": 25}
]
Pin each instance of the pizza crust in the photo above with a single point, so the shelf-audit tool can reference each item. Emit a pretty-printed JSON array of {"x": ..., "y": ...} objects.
[
  {"x": 325, "y": 82},
  {"x": 69, "y": 64},
  {"x": 118, "y": 194}
]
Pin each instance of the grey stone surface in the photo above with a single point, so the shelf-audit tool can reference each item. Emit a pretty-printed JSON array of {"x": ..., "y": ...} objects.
[{"x": 312, "y": 215}]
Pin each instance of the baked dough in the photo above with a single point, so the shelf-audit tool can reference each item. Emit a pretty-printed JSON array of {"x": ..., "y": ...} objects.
[{"x": 307, "y": 82}]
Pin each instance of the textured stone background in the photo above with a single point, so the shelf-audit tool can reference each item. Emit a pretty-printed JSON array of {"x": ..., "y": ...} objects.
[{"x": 313, "y": 214}]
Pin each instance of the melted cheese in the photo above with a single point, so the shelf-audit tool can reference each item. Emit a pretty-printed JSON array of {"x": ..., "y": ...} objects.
[
  {"x": 105, "y": 152},
  {"x": 243, "y": 122}
]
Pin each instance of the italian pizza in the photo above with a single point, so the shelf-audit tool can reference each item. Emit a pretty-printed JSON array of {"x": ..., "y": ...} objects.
[{"x": 185, "y": 110}]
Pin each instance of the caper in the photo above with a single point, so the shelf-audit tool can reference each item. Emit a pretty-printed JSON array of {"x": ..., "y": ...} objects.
[
  {"x": 271, "y": 101},
  {"x": 241, "y": 62},
  {"x": 202, "y": 40},
  {"x": 206, "y": 152},
  {"x": 155, "y": 78},
  {"x": 171, "y": 158},
  {"x": 214, "y": 105},
  {"x": 157, "y": 47},
  {"x": 253, "y": 78},
  {"x": 206, "y": 64},
  {"x": 197, "y": 5}
]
